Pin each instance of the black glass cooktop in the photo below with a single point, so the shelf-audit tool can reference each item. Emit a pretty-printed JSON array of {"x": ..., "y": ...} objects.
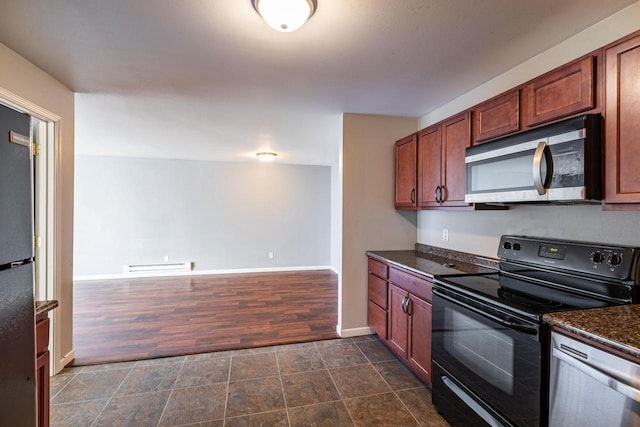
[{"x": 528, "y": 298}]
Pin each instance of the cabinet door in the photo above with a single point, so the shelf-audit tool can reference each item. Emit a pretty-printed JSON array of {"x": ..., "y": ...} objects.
[
  {"x": 456, "y": 137},
  {"x": 429, "y": 165},
  {"x": 42, "y": 389},
  {"x": 406, "y": 152},
  {"x": 622, "y": 124},
  {"x": 397, "y": 333},
  {"x": 419, "y": 352},
  {"x": 496, "y": 117},
  {"x": 567, "y": 90}
]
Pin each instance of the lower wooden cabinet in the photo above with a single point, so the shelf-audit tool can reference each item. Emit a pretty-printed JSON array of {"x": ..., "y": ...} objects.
[
  {"x": 409, "y": 333},
  {"x": 42, "y": 371},
  {"x": 377, "y": 293},
  {"x": 399, "y": 312}
]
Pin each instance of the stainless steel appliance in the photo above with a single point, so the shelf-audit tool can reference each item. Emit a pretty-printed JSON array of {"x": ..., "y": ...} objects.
[
  {"x": 558, "y": 162},
  {"x": 489, "y": 344},
  {"x": 17, "y": 317},
  {"x": 590, "y": 387}
]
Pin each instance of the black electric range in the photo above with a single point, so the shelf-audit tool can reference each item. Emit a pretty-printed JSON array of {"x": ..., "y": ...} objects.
[{"x": 489, "y": 345}]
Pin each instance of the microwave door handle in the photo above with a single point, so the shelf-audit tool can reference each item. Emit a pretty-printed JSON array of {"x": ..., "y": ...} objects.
[{"x": 541, "y": 184}]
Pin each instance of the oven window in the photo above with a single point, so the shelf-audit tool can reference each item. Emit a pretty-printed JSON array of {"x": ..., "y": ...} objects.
[{"x": 486, "y": 351}]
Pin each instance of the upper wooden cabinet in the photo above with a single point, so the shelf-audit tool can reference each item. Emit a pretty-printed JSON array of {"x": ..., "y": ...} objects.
[
  {"x": 562, "y": 92},
  {"x": 497, "y": 117},
  {"x": 441, "y": 168},
  {"x": 406, "y": 192},
  {"x": 622, "y": 124}
]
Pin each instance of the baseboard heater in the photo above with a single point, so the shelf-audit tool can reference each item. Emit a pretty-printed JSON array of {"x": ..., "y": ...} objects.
[{"x": 176, "y": 266}]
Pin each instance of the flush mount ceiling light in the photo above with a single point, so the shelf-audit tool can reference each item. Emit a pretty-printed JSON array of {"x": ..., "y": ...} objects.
[
  {"x": 285, "y": 15},
  {"x": 266, "y": 156}
]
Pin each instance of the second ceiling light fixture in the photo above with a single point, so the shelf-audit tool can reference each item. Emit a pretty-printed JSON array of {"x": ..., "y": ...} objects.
[{"x": 285, "y": 15}]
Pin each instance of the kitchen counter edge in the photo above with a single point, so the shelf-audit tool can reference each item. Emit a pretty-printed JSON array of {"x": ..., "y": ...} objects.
[
  {"x": 44, "y": 307},
  {"x": 433, "y": 261},
  {"x": 615, "y": 327}
]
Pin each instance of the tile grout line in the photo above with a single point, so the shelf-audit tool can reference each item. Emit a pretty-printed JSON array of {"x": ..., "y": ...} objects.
[
  {"x": 110, "y": 398},
  {"x": 226, "y": 395},
  {"x": 284, "y": 396},
  {"x": 164, "y": 409}
]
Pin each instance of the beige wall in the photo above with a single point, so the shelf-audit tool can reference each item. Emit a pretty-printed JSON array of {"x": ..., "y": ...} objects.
[
  {"x": 369, "y": 219},
  {"x": 24, "y": 85}
]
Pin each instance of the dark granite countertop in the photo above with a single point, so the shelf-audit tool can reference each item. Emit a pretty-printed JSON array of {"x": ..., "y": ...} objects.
[
  {"x": 616, "y": 327},
  {"x": 433, "y": 264},
  {"x": 43, "y": 307}
]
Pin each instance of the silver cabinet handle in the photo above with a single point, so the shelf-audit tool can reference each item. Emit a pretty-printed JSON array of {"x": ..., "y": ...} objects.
[
  {"x": 541, "y": 151},
  {"x": 614, "y": 384}
]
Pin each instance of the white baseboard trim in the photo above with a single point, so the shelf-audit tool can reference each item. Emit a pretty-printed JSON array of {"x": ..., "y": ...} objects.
[
  {"x": 353, "y": 332},
  {"x": 200, "y": 272},
  {"x": 66, "y": 359}
]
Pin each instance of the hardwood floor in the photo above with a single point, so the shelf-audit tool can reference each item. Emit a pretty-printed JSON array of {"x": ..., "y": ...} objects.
[{"x": 122, "y": 320}]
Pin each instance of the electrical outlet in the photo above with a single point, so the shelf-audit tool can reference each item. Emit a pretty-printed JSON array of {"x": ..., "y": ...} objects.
[
  {"x": 270, "y": 255},
  {"x": 166, "y": 258},
  {"x": 445, "y": 234}
]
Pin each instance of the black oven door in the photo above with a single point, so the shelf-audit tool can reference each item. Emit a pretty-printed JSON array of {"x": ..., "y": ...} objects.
[{"x": 487, "y": 364}]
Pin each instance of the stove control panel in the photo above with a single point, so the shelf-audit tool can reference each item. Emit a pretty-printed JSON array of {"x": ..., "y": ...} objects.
[{"x": 615, "y": 262}]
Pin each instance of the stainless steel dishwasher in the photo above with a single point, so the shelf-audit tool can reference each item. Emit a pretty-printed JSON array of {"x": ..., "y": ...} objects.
[{"x": 590, "y": 387}]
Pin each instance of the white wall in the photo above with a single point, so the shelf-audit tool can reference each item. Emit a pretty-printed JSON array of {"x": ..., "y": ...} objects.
[
  {"x": 34, "y": 90},
  {"x": 219, "y": 215},
  {"x": 369, "y": 219},
  {"x": 479, "y": 232}
]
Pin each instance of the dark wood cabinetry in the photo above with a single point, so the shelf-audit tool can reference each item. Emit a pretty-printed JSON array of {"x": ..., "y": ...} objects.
[
  {"x": 377, "y": 293},
  {"x": 42, "y": 371},
  {"x": 565, "y": 91},
  {"x": 430, "y": 168},
  {"x": 406, "y": 191},
  {"x": 622, "y": 124},
  {"x": 497, "y": 117},
  {"x": 441, "y": 168},
  {"x": 409, "y": 333},
  {"x": 399, "y": 311}
]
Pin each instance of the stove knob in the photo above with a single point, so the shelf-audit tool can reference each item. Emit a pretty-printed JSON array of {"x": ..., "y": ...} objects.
[
  {"x": 597, "y": 257},
  {"x": 516, "y": 246},
  {"x": 507, "y": 245},
  {"x": 614, "y": 259}
]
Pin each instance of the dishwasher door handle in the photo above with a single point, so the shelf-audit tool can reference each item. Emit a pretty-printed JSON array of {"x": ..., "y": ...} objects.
[{"x": 613, "y": 383}]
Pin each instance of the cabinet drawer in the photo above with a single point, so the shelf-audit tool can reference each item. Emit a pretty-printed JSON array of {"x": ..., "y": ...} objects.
[
  {"x": 418, "y": 286},
  {"x": 377, "y": 319},
  {"x": 378, "y": 290},
  {"x": 42, "y": 336},
  {"x": 378, "y": 268}
]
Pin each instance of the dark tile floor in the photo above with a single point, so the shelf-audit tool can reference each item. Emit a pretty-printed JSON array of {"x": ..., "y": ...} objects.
[{"x": 344, "y": 382}]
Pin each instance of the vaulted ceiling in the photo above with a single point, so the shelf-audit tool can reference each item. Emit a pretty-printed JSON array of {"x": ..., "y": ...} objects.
[{"x": 209, "y": 79}]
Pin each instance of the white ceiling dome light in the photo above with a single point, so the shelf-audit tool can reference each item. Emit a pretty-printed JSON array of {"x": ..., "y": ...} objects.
[{"x": 285, "y": 15}]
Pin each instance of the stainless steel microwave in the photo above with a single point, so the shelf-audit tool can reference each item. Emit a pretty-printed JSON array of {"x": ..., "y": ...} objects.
[{"x": 560, "y": 162}]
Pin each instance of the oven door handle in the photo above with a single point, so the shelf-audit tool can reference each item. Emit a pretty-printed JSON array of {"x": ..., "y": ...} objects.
[
  {"x": 471, "y": 403},
  {"x": 511, "y": 325}
]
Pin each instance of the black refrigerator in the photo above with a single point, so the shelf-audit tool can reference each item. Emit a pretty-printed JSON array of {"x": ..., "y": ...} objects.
[{"x": 17, "y": 313}]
